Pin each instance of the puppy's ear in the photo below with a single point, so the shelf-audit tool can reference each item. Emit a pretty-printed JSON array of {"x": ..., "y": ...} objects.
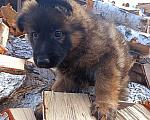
[
  {"x": 62, "y": 5},
  {"x": 20, "y": 19},
  {"x": 64, "y": 10}
]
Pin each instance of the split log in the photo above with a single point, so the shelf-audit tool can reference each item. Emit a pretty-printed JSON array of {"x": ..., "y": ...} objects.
[
  {"x": 18, "y": 114},
  {"x": 66, "y": 106},
  {"x": 12, "y": 65},
  {"x": 136, "y": 111},
  {"x": 119, "y": 16},
  {"x": 4, "y": 31},
  {"x": 138, "y": 41}
]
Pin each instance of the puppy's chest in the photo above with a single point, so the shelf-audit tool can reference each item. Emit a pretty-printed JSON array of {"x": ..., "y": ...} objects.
[{"x": 78, "y": 74}]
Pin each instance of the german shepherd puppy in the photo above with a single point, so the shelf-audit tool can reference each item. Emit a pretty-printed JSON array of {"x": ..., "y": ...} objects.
[{"x": 83, "y": 49}]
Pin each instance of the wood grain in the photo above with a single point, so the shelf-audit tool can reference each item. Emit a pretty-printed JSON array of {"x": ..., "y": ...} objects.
[{"x": 66, "y": 106}]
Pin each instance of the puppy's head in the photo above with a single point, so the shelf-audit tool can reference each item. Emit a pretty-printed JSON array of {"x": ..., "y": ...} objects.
[{"x": 45, "y": 23}]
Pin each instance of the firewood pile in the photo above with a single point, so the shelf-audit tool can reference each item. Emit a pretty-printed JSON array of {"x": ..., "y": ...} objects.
[{"x": 22, "y": 83}]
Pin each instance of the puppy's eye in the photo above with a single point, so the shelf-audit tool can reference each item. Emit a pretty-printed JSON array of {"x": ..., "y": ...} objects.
[
  {"x": 58, "y": 33},
  {"x": 35, "y": 35}
]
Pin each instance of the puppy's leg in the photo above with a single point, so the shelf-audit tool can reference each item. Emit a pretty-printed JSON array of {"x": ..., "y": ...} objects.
[
  {"x": 64, "y": 84},
  {"x": 107, "y": 93},
  {"x": 124, "y": 88}
]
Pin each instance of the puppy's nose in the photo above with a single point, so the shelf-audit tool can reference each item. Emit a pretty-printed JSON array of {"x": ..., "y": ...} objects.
[{"x": 43, "y": 63}]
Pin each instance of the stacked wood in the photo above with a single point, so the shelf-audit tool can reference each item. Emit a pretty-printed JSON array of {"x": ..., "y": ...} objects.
[
  {"x": 18, "y": 114},
  {"x": 120, "y": 16}
]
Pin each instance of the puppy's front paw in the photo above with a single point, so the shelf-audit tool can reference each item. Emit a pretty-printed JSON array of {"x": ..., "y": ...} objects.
[{"x": 100, "y": 109}]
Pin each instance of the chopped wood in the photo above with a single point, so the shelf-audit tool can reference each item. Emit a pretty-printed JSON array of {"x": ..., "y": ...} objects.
[
  {"x": 12, "y": 65},
  {"x": 19, "y": 114},
  {"x": 9, "y": 84},
  {"x": 134, "y": 35},
  {"x": 135, "y": 112},
  {"x": 145, "y": 6},
  {"x": 4, "y": 32},
  {"x": 70, "y": 106},
  {"x": 9, "y": 15},
  {"x": 119, "y": 16},
  {"x": 146, "y": 70},
  {"x": 136, "y": 74},
  {"x": 66, "y": 106},
  {"x": 143, "y": 49}
]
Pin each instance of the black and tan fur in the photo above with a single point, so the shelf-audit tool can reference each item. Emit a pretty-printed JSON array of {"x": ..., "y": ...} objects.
[{"x": 87, "y": 51}]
